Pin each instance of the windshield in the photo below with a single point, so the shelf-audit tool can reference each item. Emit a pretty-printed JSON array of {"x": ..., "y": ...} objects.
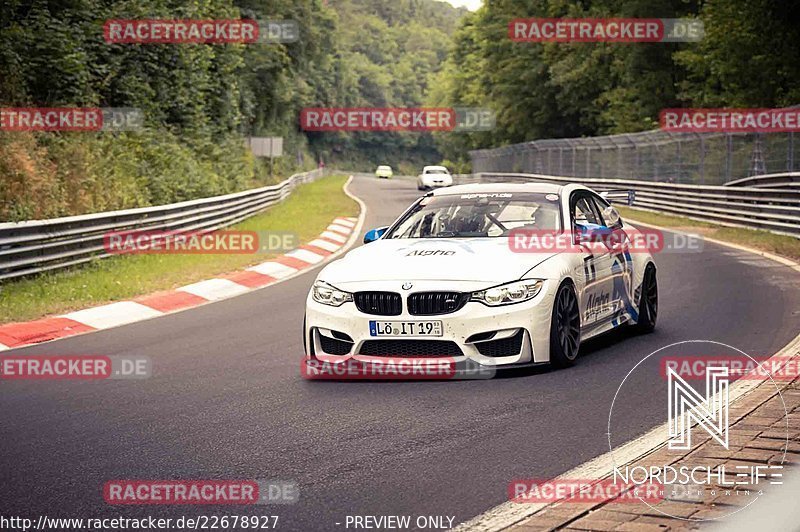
[
  {"x": 436, "y": 171},
  {"x": 477, "y": 215}
]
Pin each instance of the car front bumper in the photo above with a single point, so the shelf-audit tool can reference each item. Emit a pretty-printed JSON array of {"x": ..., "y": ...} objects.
[
  {"x": 436, "y": 183},
  {"x": 466, "y": 329}
]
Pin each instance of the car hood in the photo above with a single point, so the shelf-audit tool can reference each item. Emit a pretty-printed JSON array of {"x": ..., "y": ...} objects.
[{"x": 464, "y": 259}]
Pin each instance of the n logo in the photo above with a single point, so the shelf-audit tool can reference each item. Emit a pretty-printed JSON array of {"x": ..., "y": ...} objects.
[{"x": 685, "y": 405}]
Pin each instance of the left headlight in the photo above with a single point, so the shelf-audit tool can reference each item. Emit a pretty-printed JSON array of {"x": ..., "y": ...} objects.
[
  {"x": 508, "y": 294},
  {"x": 326, "y": 294}
]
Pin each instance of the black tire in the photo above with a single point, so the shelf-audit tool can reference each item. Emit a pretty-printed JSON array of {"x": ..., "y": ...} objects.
[
  {"x": 565, "y": 327},
  {"x": 648, "y": 302}
]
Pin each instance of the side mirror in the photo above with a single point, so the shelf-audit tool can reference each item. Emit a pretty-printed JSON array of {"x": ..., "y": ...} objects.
[
  {"x": 591, "y": 233},
  {"x": 612, "y": 217},
  {"x": 374, "y": 234}
]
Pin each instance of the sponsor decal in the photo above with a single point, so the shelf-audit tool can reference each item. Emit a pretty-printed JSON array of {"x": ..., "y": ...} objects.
[
  {"x": 618, "y": 30},
  {"x": 476, "y": 195},
  {"x": 430, "y": 252},
  {"x": 201, "y": 492},
  {"x": 730, "y": 120},
  {"x": 598, "y": 305}
]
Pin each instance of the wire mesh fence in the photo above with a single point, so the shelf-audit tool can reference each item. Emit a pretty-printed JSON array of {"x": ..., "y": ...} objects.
[{"x": 698, "y": 158}]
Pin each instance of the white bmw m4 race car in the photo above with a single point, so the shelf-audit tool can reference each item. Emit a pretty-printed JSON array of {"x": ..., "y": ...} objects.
[{"x": 454, "y": 277}]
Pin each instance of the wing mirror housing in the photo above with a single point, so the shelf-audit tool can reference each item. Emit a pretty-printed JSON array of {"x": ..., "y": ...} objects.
[
  {"x": 374, "y": 234},
  {"x": 592, "y": 233}
]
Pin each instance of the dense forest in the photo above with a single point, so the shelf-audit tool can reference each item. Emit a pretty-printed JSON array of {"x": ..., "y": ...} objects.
[
  {"x": 199, "y": 101},
  {"x": 749, "y": 57}
]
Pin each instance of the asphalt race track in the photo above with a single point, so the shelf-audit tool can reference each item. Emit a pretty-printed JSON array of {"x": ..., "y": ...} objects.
[{"x": 227, "y": 401}]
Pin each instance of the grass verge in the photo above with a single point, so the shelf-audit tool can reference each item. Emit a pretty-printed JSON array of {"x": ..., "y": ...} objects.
[
  {"x": 785, "y": 246},
  {"x": 306, "y": 212}
]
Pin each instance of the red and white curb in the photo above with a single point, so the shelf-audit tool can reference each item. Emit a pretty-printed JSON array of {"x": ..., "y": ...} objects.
[{"x": 336, "y": 238}]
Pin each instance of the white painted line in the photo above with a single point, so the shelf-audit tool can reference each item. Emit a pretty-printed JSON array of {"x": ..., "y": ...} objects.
[
  {"x": 352, "y": 219},
  {"x": 214, "y": 289},
  {"x": 113, "y": 314},
  {"x": 345, "y": 222},
  {"x": 324, "y": 244},
  {"x": 3, "y": 347},
  {"x": 340, "y": 229},
  {"x": 306, "y": 256},
  {"x": 334, "y": 236},
  {"x": 273, "y": 269}
]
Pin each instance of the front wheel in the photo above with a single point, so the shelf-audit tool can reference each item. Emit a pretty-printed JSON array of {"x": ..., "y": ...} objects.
[
  {"x": 648, "y": 302},
  {"x": 565, "y": 327}
]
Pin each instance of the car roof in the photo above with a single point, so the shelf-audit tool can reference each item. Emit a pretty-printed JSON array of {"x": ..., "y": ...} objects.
[
  {"x": 384, "y": 166},
  {"x": 434, "y": 167},
  {"x": 483, "y": 188}
]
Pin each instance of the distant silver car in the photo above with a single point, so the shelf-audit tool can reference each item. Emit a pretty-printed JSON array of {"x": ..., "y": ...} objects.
[
  {"x": 384, "y": 171},
  {"x": 434, "y": 177}
]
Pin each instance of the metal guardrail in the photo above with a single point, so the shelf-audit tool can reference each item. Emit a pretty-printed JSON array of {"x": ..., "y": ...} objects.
[
  {"x": 698, "y": 158},
  {"x": 42, "y": 245},
  {"x": 773, "y": 209},
  {"x": 789, "y": 180}
]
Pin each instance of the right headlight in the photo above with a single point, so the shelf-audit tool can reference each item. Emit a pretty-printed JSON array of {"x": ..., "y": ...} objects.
[
  {"x": 326, "y": 294},
  {"x": 508, "y": 294}
]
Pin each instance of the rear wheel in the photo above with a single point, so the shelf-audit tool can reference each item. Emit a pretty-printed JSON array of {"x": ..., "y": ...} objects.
[
  {"x": 648, "y": 302},
  {"x": 565, "y": 327}
]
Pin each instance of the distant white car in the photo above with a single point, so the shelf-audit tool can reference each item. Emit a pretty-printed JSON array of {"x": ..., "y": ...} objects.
[
  {"x": 434, "y": 177},
  {"x": 384, "y": 171}
]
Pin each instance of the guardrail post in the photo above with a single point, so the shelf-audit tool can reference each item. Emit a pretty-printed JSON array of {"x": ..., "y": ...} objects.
[
  {"x": 728, "y": 156},
  {"x": 702, "y": 159}
]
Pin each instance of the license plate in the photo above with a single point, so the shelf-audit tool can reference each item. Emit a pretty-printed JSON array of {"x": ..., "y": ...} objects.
[{"x": 405, "y": 328}]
